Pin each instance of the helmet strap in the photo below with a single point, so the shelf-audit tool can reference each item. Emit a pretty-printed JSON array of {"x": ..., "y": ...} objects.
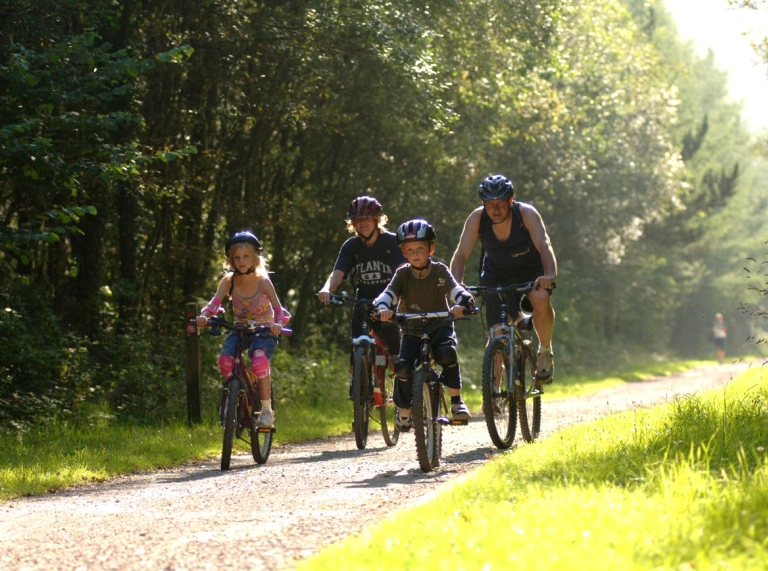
[
  {"x": 424, "y": 267},
  {"x": 369, "y": 236},
  {"x": 250, "y": 271},
  {"x": 504, "y": 219}
]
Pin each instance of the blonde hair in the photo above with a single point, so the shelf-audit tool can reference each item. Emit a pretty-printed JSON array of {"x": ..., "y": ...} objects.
[
  {"x": 261, "y": 263},
  {"x": 381, "y": 223}
]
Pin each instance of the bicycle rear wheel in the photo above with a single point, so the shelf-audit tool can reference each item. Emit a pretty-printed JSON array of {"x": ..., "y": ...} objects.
[
  {"x": 428, "y": 431},
  {"x": 230, "y": 419},
  {"x": 498, "y": 399},
  {"x": 387, "y": 410},
  {"x": 528, "y": 399},
  {"x": 361, "y": 401},
  {"x": 261, "y": 442}
]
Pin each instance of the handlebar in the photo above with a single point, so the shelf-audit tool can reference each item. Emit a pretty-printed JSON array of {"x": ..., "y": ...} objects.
[
  {"x": 216, "y": 322},
  {"x": 523, "y": 287},
  {"x": 342, "y": 298}
]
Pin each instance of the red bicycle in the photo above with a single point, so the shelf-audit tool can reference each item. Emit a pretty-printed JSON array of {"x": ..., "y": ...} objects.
[
  {"x": 240, "y": 400},
  {"x": 373, "y": 379}
]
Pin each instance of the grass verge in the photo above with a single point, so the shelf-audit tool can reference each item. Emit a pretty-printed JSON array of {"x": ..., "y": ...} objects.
[{"x": 683, "y": 486}]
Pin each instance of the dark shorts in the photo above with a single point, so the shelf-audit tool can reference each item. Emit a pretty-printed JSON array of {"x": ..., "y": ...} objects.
[
  {"x": 720, "y": 343},
  {"x": 515, "y": 300}
]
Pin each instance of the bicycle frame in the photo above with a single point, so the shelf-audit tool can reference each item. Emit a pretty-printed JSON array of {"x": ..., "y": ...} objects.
[
  {"x": 510, "y": 354},
  {"x": 241, "y": 395},
  {"x": 370, "y": 387}
]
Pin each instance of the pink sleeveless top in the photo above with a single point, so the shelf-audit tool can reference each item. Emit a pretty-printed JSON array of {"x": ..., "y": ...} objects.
[{"x": 257, "y": 308}]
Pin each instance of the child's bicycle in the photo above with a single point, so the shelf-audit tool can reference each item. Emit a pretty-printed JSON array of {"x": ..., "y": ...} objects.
[
  {"x": 240, "y": 400},
  {"x": 372, "y": 384},
  {"x": 509, "y": 373},
  {"x": 428, "y": 398}
]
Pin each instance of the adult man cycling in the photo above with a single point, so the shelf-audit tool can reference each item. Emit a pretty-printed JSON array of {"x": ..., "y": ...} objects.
[
  {"x": 369, "y": 259},
  {"x": 517, "y": 249}
]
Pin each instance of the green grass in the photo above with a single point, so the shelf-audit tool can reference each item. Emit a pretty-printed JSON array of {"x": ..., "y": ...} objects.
[
  {"x": 683, "y": 486},
  {"x": 59, "y": 454}
]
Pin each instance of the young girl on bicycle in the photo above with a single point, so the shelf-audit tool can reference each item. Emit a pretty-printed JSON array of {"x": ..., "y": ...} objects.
[
  {"x": 253, "y": 300},
  {"x": 423, "y": 285}
]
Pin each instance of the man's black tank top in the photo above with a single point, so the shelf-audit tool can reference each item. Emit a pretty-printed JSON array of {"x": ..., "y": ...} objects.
[{"x": 517, "y": 255}]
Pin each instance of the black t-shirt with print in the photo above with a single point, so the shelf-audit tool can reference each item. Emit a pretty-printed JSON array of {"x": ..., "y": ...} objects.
[{"x": 370, "y": 269}]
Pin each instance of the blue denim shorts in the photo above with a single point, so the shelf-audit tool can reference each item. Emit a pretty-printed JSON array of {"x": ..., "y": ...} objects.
[{"x": 266, "y": 344}]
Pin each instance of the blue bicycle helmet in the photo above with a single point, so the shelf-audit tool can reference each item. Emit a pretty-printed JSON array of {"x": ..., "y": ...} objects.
[{"x": 245, "y": 236}]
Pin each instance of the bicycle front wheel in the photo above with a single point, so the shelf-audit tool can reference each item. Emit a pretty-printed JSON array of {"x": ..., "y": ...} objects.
[
  {"x": 230, "y": 419},
  {"x": 498, "y": 395},
  {"x": 428, "y": 431},
  {"x": 387, "y": 410},
  {"x": 528, "y": 394},
  {"x": 261, "y": 442},
  {"x": 361, "y": 402}
]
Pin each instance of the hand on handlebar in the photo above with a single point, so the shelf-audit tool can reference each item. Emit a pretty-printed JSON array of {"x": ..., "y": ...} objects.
[
  {"x": 384, "y": 314},
  {"x": 202, "y": 321},
  {"x": 324, "y": 296},
  {"x": 546, "y": 281}
]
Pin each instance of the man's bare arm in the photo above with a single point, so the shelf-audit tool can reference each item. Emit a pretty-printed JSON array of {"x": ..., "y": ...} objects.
[{"x": 466, "y": 244}]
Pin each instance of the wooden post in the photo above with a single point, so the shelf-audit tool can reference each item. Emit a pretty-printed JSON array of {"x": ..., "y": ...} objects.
[{"x": 192, "y": 342}]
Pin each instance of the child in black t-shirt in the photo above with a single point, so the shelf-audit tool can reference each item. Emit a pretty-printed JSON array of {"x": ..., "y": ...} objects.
[{"x": 423, "y": 285}]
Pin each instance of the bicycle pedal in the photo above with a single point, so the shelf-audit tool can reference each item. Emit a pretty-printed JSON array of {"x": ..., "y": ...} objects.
[
  {"x": 464, "y": 422},
  {"x": 267, "y": 430}
]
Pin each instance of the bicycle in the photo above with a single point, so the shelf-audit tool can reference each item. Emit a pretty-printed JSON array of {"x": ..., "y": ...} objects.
[
  {"x": 240, "y": 400},
  {"x": 509, "y": 373},
  {"x": 372, "y": 386},
  {"x": 428, "y": 397}
]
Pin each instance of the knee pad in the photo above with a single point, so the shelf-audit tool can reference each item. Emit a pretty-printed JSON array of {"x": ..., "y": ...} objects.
[
  {"x": 403, "y": 369},
  {"x": 260, "y": 364},
  {"x": 445, "y": 355},
  {"x": 225, "y": 365}
]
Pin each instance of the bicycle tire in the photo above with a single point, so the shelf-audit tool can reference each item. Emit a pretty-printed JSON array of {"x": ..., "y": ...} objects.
[
  {"x": 388, "y": 410},
  {"x": 528, "y": 407},
  {"x": 230, "y": 420},
  {"x": 361, "y": 403},
  {"x": 428, "y": 431},
  {"x": 502, "y": 422},
  {"x": 261, "y": 442}
]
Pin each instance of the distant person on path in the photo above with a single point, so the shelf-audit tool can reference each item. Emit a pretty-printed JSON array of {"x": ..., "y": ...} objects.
[
  {"x": 720, "y": 334},
  {"x": 419, "y": 286},
  {"x": 369, "y": 260},
  {"x": 516, "y": 249},
  {"x": 253, "y": 299}
]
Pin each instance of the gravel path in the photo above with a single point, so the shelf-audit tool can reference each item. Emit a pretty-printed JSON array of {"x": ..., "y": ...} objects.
[{"x": 307, "y": 496}]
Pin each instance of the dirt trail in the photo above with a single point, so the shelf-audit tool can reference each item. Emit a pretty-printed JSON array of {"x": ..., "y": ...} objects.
[{"x": 268, "y": 517}]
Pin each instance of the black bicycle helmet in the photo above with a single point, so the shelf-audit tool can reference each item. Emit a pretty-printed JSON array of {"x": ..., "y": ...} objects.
[
  {"x": 363, "y": 206},
  {"x": 245, "y": 236},
  {"x": 496, "y": 187},
  {"x": 415, "y": 230}
]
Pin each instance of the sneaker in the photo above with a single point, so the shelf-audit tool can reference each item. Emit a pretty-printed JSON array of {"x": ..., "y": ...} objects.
[
  {"x": 266, "y": 419},
  {"x": 403, "y": 419},
  {"x": 460, "y": 412},
  {"x": 545, "y": 367}
]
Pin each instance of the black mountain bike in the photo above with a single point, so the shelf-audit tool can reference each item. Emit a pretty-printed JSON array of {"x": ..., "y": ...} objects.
[
  {"x": 429, "y": 409},
  {"x": 240, "y": 400},
  {"x": 373, "y": 379},
  {"x": 509, "y": 373}
]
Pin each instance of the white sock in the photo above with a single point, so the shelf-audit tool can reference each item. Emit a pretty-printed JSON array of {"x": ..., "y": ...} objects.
[
  {"x": 547, "y": 349},
  {"x": 266, "y": 405}
]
